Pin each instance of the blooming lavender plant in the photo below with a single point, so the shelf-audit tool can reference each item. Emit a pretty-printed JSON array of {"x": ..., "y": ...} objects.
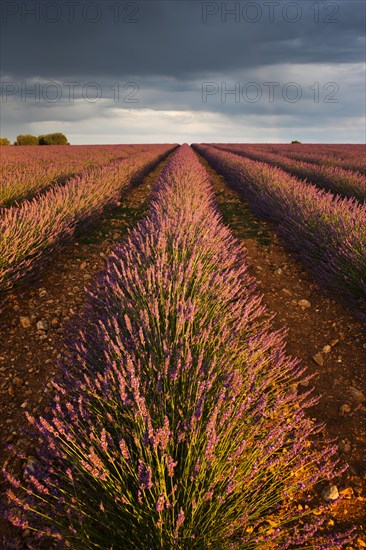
[
  {"x": 30, "y": 232},
  {"x": 347, "y": 156},
  {"x": 327, "y": 233},
  {"x": 177, "y": 422},
  {"x": 336, "y": 179},
  {"x": 25, "y": 171}
]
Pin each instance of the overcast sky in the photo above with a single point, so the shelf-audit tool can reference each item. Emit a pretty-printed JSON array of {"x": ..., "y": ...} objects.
[{"x": 110, "y": 71}]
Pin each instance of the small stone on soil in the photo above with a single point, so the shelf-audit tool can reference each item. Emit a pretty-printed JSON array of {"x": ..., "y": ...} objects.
[
  {"x": 42, "y": 325},
  {"x": 25, "y": 322},
  {"x": 356, "y": 394},
  {"x": 304, "y": 304},
  {"x": 287, "y": 291},
  {"x": 344, "y": 446},
  {"x": 330, "y": 493},
  {"x": 344, "y": 409},
  {"x": 318, "y": 358}
]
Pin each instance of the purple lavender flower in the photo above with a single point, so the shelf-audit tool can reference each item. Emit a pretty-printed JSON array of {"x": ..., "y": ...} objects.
[{"x": 181, "y": 433}]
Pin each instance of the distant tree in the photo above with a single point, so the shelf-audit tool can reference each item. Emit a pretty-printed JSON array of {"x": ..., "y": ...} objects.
[
  {"x": 4, "y": 141},
  {"x": 26, "y": 139},
  {"x": 295, "y": 141},
  {"x": 53, "y": 139}
]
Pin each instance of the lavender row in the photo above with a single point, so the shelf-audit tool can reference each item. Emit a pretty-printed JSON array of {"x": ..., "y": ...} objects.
[
  {"x": 27, "y": 171},
  {"x": 31, "y": 232},
  {"x": 349, "y": 159},
  {"x": 177, "y": 422},
  {"x": 331, "y": 178},
  {"x": 326, "y": 232}
]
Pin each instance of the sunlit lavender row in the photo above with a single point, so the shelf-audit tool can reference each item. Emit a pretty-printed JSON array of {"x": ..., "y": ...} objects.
[
  {"x": 25, "y": 171},
  {"x": 348, "y": 157},
  {"x": 331, "y": 178},
  {"x": 31, "y": 232},
  {"x": 177, "y": 422},
  {"x": 327, "y": 233}
]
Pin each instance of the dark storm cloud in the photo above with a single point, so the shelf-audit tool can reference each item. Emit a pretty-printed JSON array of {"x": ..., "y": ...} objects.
[
  {"x": 168, "y": 50},
  {"x": 172, "y": 38}
]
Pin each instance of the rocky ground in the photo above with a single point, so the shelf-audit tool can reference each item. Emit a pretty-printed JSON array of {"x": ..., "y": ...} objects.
[{"x": 330, "y": 342}]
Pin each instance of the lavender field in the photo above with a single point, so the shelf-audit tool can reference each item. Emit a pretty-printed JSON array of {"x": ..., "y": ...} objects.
[{"x": 181, "y": 390}]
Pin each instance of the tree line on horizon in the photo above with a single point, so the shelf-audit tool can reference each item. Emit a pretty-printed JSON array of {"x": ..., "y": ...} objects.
[
  {"x": 50, "y": 139},
  {"x": 56, "y": 138}
]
